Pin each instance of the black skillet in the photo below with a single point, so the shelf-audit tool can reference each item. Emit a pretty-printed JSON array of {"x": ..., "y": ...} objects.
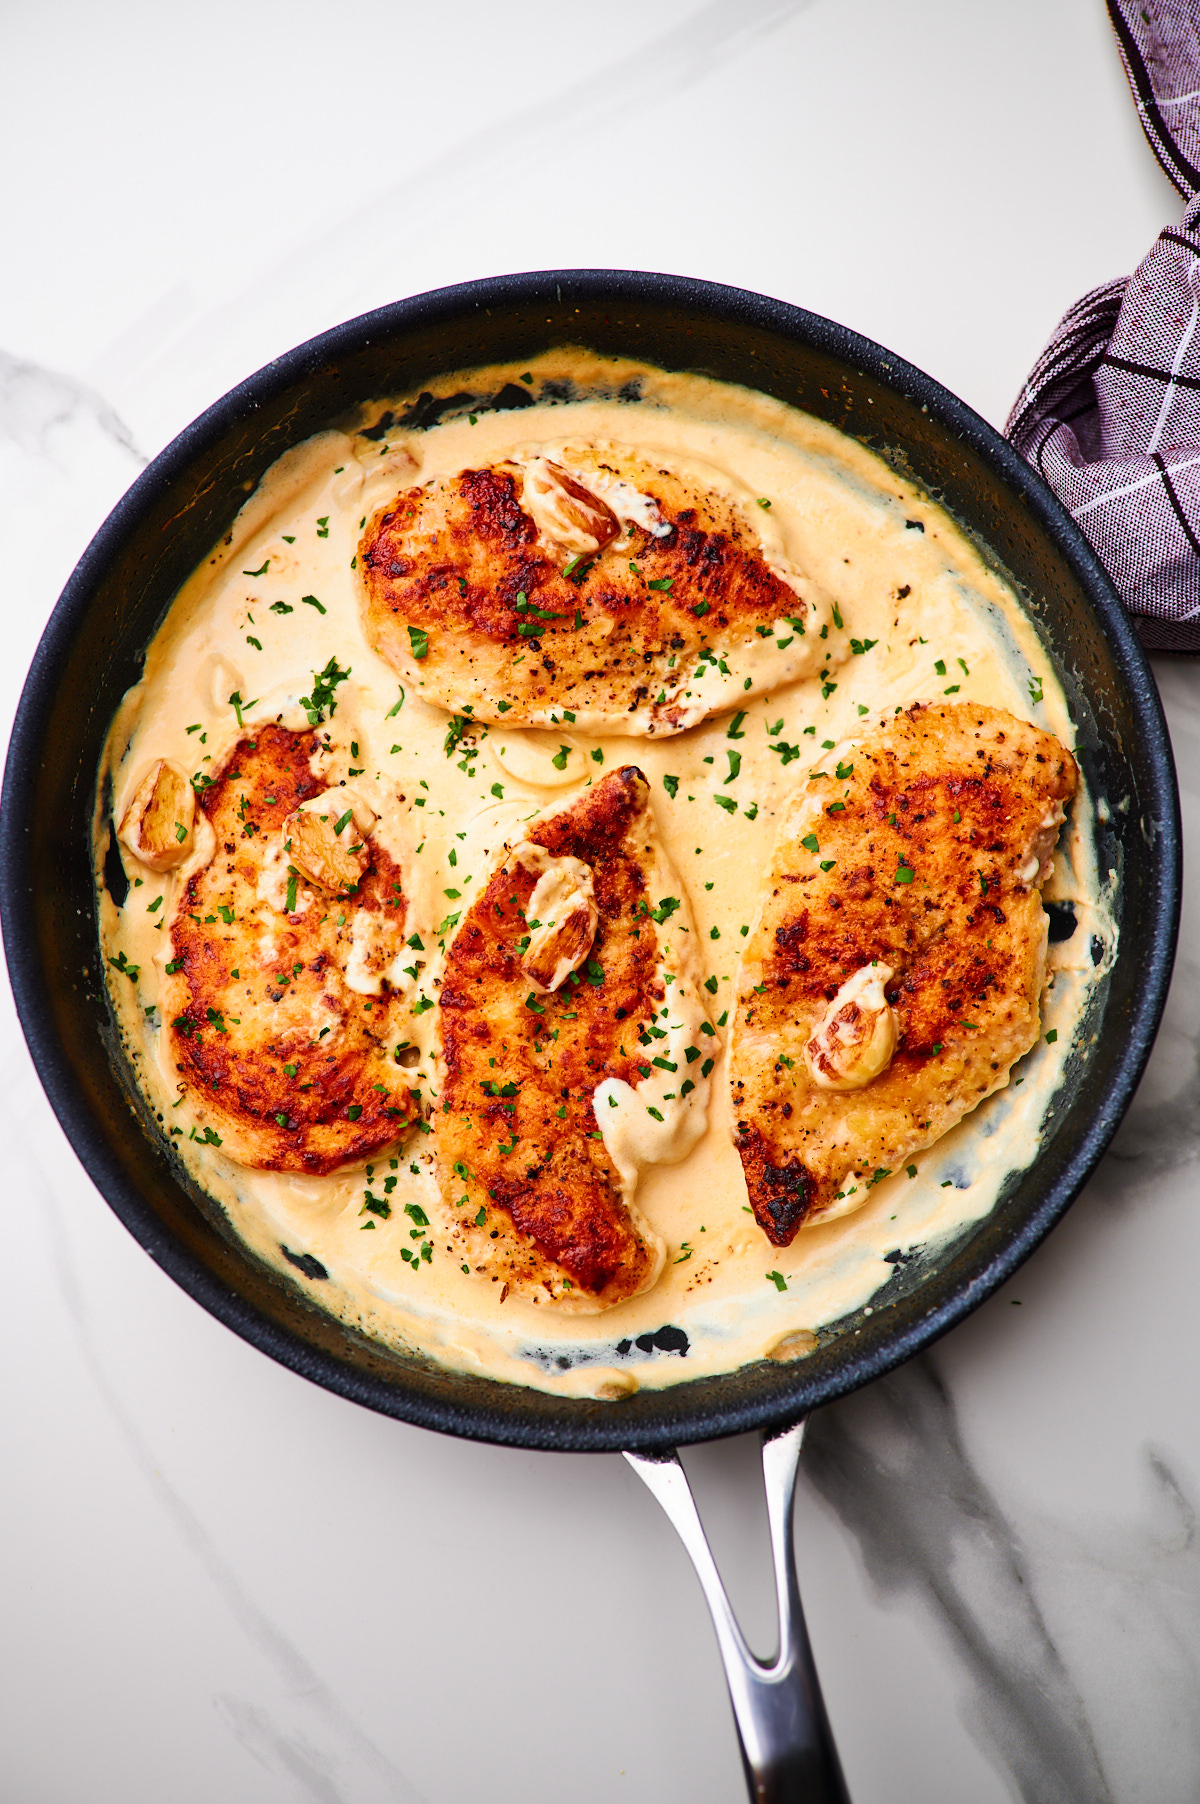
[{"x": 92, "y": 651}]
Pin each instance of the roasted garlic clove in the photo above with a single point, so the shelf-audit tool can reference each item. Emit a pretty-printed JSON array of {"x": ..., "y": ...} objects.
[
  {"x": 562, "y": 917},
  {"x": 857, "y": 1038},
  {"x": 565, "y": 512},
  {"x": 157, "y": 826},
  {"x": 327, "y": 842},
  {"x": 365, "y": 816},
  {"x": 1039, "y": 861}
]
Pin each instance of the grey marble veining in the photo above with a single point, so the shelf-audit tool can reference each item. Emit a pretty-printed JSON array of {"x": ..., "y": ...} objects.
[
  {"x": 893, "y": 1465},
  {"x": 34, "y": 402}
]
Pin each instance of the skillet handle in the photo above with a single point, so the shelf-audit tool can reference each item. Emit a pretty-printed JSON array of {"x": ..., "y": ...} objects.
[{"x": 786, "y": 1743}]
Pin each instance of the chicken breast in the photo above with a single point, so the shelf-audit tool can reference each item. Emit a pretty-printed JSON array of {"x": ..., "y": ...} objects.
[
  {"x": 896, "y": 969},
  {"x": 634, "y": 598},
  {"x": 282, "y": 996},
  {"x": 575, "y": 1048}
]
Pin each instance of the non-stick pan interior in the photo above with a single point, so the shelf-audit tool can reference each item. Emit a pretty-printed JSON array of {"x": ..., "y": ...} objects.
[{"x": 185, "y": 502}]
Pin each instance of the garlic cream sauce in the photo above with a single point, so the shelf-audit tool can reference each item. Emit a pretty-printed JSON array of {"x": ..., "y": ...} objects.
[{"x": 922, "y": 616}]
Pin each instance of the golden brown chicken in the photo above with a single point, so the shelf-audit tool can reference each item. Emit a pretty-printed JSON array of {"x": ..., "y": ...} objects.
[
  {"x": 568, "y": 1003},
  {"x": 592, "y": 582},
  {"x": 279, "y": 999},
  {"x": 896, "y": 970}
]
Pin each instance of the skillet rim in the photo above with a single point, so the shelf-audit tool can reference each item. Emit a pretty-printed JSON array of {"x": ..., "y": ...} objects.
[{"x": 653, "y": 1420}]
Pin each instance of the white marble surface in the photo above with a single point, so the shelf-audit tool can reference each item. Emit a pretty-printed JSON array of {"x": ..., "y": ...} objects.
[{"x": 221, "y": 1582}]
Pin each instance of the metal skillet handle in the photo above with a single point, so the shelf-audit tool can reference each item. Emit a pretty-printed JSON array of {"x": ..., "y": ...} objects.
[{"x": 787, "y": 1746}]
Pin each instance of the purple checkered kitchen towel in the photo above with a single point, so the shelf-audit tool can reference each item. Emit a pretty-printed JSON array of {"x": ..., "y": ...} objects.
[{"x": 1110, "y": 414}]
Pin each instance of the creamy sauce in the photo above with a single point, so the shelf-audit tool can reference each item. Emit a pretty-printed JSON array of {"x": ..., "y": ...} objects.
[{"x": 899, "y": 574}]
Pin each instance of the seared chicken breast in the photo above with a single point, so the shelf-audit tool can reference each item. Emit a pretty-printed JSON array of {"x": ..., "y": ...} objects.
[
  {"x": 278, "y": 1001},
  {"x": 896, "y": 969},
  {"x": 634, "y": 597},
  {"x": 574, "y": 1046}
]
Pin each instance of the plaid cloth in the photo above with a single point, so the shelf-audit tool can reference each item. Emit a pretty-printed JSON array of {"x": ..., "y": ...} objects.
[{"x": 1110, "y": 414}]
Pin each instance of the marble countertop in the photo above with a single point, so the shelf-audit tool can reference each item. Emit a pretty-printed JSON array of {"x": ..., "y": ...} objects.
[{"x": 218, "y": 1580}]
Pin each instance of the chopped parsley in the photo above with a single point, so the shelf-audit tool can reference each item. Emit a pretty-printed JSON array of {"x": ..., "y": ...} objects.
[
  {"x": 237, "y": 704},
  {"x": 322, "y": 698},
  {"x": 459, "y": 724}
]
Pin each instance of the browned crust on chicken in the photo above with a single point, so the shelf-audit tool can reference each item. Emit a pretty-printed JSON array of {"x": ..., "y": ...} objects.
[
  {"x": 516, "y": 1133},
  {"x": 255, "y": 986},
  {"x": 965, "y": 798},
  {"x": 451, "y": 560}
]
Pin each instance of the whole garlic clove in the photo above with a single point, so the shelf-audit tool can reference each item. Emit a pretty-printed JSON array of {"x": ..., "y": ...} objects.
[
  {"x": 563, "y": 905},
  {"x": 857, "y": 1037},
  {"x": 1039, "y": 861},
  {"x": 365, "y": 816},
  {"x": 326, "y": 842},
  {"x": 565, "y": 512},
  {"x": 158, "y": 822}
]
